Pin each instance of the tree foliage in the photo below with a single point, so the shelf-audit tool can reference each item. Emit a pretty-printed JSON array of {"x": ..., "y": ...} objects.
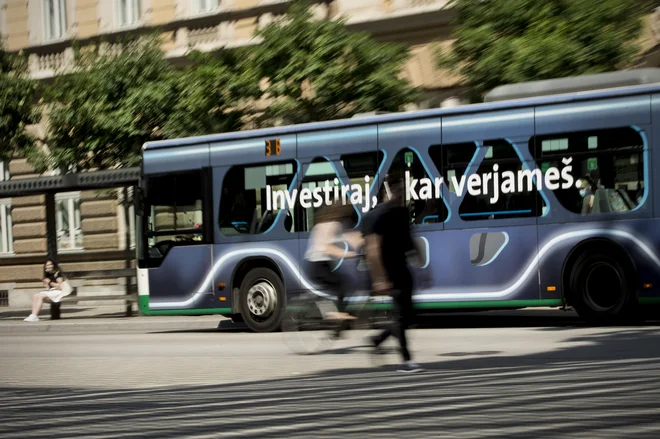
[
  {"x": 17, "y": 105},
  {"x": 512, "y": 41},
  {"x": 320, "y": 70},
  {"x": 116, "y": 100},
  {"x": 102, "y": 112},
  {"x": 214, "y": 95}
]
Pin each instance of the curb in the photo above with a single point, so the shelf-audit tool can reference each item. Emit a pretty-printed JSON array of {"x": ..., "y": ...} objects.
[{"x": 118, "y": 325}]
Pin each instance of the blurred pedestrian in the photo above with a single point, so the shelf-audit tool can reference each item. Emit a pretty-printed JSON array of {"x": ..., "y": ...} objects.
[
  {"x": 388, "y": 244},
  {"x": 324, "y": 251}
]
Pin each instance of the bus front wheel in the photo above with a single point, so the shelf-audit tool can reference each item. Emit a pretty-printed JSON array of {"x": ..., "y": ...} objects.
[
  {"x": 262, "y": 299},
  {"x": 601, "y": 288}
]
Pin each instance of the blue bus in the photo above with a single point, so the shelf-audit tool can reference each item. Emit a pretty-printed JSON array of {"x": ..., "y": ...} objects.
[{"x": 541, "y": 196}]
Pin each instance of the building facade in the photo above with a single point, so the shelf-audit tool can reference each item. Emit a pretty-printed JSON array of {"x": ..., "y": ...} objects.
[{"x": 92, "y": 230}]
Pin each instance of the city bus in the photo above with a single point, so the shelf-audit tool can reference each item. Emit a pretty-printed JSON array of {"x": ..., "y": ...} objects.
[{"x": 543, "y": 195}]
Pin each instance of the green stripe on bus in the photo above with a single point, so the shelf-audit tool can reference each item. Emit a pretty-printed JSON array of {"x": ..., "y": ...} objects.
[
  {"x": 449, "y": 305},
  {"x": 649, "y": 300},
  {"x": 491, "y": 304},
  {"x": 144, "y": 306},
  {"x": 143, "y": 302}
]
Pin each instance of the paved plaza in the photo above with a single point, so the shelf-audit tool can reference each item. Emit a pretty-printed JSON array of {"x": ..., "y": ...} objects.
[{"x": 488, "y": 376}]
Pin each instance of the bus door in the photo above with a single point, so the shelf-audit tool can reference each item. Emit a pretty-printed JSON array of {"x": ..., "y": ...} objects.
[
  {"x": 177, "y": 243},
  {"x": 489, "y": 247},
  {"x": 347, "y": 160}
]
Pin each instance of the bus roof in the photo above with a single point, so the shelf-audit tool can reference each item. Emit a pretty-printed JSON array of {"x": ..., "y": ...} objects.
[
  {"x": 599, "y": 81},
  {"x": 554, "y": 91}
]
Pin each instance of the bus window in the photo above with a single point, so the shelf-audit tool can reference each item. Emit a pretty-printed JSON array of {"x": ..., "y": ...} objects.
[
  {"x": 455, "y": 163},
  {"x": 252, "y": 197},
  {"x": 320, "y": 173},
  {"x": 424, "y": 206},
  {"x": 358, "y": 166},
  {"x": 501, "y": 166},
  {"x": 174, "y": 213},
  {"x": 361, "y": 164},
  {"x": 607, "y": 168}
]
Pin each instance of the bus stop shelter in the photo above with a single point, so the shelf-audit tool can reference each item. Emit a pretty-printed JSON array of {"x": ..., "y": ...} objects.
[{"x": 95, "y": 180}]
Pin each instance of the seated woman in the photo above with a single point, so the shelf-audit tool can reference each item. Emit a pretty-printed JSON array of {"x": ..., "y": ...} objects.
[{"x": 57, "y": 285}]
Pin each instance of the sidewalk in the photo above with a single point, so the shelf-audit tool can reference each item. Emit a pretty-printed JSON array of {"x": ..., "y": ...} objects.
[
  {"x": 112, "y": 319},
  {"x": 104, "y": 319}
]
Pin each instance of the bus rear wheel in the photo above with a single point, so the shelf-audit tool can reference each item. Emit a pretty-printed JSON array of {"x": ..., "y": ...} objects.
[
  {"x": 262, "y": 299},
  {"x": 601, "y": 288}
]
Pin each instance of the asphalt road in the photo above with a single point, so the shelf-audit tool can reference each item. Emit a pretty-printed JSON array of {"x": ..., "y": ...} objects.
[{"x": 487, "y": 377}]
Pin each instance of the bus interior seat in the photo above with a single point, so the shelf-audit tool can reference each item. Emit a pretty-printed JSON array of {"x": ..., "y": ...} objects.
[
  {"x": 288, "y": 221},
  {"x": 254, "y": 222},
  {"x": 609, "y": 200},
  {"x": 617, "y": 201},
  {"x": 266, "y": 221},
  {"x": 585, "y": 205},
  {"x": 626, "y": 198},
  {"x": 601, "y": 201}
]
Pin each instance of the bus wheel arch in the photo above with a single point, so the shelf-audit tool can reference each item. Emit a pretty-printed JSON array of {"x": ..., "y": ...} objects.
[
  {"x": 258, "y": 294},
  {"x": 589, "y": 266}
]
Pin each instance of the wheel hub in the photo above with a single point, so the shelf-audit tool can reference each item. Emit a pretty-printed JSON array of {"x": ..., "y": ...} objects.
[{"x": 262, "y": 298}]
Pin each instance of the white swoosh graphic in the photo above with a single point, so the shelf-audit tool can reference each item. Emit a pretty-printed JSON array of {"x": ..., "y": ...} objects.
[
  {"x": 431, "y": 294},
  {"x": 232, "y": 254}
]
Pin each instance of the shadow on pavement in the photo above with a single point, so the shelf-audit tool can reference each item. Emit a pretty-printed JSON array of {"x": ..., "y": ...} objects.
[
  {"x": 547, "y": 319},
  {"x": 595, "y": 386}
]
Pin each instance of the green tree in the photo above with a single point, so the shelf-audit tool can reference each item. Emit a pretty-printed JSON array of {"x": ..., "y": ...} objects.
[
  {"x": 17, "y": 105},
  {"x": 512, "y": 41},
  {"x": 214, "y": 95},
  {"x": 115, "y": 99},
  {"x": 319, "y": 70}
]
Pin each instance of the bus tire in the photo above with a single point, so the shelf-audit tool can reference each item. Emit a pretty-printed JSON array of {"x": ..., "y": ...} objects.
[
  {"x": 601, "y": 289},
  {"x": 262, "y": 300}
]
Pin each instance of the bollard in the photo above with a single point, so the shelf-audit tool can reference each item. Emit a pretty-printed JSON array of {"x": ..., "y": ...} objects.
[{"x": 55, "y": 311}]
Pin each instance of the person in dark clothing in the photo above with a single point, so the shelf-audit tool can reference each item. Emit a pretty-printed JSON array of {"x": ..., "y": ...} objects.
[{"x": 388, "y": 243}]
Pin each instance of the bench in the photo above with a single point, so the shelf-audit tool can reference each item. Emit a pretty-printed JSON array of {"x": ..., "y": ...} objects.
[{"x": 129, "y": 298}]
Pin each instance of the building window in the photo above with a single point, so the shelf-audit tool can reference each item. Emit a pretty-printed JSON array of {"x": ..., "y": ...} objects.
[
  {"x": 54, "y": 13},
  {"x": 128, "y": 12},
  {"x": 3, "y": 18},
  {"x": 7, "y": 238},
  {"x": 606, "y": 168},
  {"x": 69, "y": 224},
  {"x": 206, "y": 5},
  {"x": 7, "y": 244}
]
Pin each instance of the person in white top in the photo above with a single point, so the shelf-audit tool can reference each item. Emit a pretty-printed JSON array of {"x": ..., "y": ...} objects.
[
  {"x": 58, "y": 287},
  {"x": 325, "y": 248}
]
